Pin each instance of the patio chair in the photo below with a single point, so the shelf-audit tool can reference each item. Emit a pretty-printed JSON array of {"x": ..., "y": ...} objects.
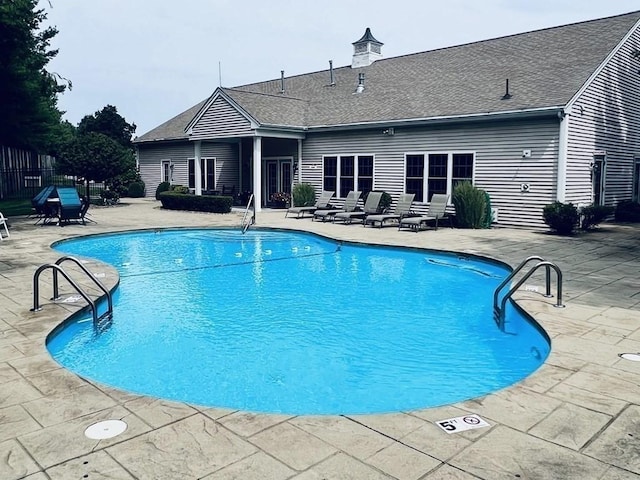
[
  {"x": 39, "y": 203},
  {"x": 71, "y": 207},
  {"x": 371, "y": 206},
  {"x": 322, "y": 203},
  {"x": 403, "y": 209},
  {"x": 3, "y": 223},
  {"x": 436, "y": 211},
  {"x": 350, "y": 204}
]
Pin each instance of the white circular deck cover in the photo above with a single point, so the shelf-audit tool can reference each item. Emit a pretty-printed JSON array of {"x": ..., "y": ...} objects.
[
  {"x": 105, "y": 429},
  {"x": 634, "y": 357}
]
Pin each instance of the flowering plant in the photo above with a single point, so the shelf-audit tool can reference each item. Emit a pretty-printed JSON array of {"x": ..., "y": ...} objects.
[{"x": 280, "y": 197}]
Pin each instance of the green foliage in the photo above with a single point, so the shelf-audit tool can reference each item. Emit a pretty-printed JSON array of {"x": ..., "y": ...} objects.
[
  {"x": 199, "y": 203},
  {"x": 627, "y": 211},
  {"x": 29, "y": 116},
  {"x": 108, "y": 122},
  {"x": 163, "y": 187},
  {"x": 136, "y": 190},
  {"x": 304, "y": 195},
  {"x": 180, "y": 189},
  {"x": 592, "y": 215},
  {"x": 385, "y": 200},
  {"x": 561, "y": 217},
  {"x": 487, "y": 214},
  {"x": 96, "y": 157},
  {"x": 471, "y": 206},
  {"x": 109, "y": 197}
]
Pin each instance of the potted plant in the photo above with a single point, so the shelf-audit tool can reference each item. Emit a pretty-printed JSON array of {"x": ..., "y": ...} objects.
[{"x": 280, "y": 199}]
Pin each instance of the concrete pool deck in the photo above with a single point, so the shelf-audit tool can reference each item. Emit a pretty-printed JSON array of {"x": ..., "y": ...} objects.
[{"x": 577, "y": 417}]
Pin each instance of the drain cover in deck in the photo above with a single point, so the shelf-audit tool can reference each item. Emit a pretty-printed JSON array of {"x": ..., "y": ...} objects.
[{"x": 106, "y": 429}]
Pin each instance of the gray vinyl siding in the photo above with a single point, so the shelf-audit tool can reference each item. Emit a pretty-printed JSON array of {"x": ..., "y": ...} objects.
[
  {"x": 221, "y": 120},
  {"x": 606, "y": 118},
  {"x": 500, "y": 167},
  {"x": 150, "y": 159},
  {"x": 227, "y": 163}
]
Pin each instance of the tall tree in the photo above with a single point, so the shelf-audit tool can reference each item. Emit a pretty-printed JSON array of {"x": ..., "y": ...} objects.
[
  {"x": 95, "y": 156},
  {"x": 29, "y": 116},
  {"x": 110, "y": 123}
]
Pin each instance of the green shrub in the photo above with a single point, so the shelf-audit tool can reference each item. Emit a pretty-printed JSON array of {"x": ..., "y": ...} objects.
[
  {"x": 109, "y": 197},
  {"x": 304, "y": 195},
  {"x": 561, "y": 217},
  {"x": 592, "y": 215},
  {"x": 136, "y": 190},
  {"x": 627, "y": 211},
  {"x": 163, "y": 187},
  {"x": 385, "y": 200},
  {"x": 487, "y": 213},
  {"x": 199, "y": 203},
  {"x": 180, "y": 189},
  {"x": 471, "y": 206}
]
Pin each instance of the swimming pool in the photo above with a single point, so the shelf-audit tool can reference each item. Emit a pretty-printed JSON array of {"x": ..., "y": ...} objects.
[{"x": 287, "y": 322}]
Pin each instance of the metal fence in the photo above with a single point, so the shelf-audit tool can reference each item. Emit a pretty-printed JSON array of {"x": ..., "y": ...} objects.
[
  {"x": 23, "y": 173},
  {"x": 18, "y": 183}
]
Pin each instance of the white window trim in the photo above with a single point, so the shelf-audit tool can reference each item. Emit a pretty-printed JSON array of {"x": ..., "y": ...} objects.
[
  {"x": 356, "y": 176},
  {"x": 204, "y": 172},
  {"x": 169, "y": 163},
  {"x": 425, "y": 171}
]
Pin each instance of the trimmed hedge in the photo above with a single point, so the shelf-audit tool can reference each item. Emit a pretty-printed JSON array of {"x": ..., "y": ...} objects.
[
  {"x": 592, "y": 215},
  {"x": 198, "y": 203},
  {"x": 162, "y": 187},
  {"x": 627, "y": 211},
  {"x": 561, "y": 217}
]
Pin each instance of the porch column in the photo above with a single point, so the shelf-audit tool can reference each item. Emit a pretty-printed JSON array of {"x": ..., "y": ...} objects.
[
  {"x": 299, "y": 160},
  {"x": 561, "y": 181},
  {"x": 257, "y": 173},
  {"x": 240, "y": 190},
  {"x": 197, "y": 167}
]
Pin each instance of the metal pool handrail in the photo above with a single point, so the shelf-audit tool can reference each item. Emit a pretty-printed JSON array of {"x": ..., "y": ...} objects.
[
  {"x": 89, "y": 274},
  {"x": 247, "y": 220},
  {"x": 499, "y": 313}
]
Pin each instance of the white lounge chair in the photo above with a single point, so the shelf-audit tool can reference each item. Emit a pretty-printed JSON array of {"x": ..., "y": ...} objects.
[
  {"x": 403, "y": 209},
  {"x": 350, "y": 204},
  {"x": 436, "y": 211},
  {"x": 371, "y": 206},
  {"x": 3, "y": 223},
  {"x": 322, "y": 202}
]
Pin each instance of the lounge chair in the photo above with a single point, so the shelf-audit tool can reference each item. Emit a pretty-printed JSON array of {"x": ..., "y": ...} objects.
[
  {"x": 436, "y": 211},
  {"x": 3, "y": 223},
  {"x": 371, "y": 206},
  {"x": 403, "y": 209},
  {"x": 39, "y": 203},
  {"x": 350, "y": 204},
  {"x": 321, "y": 203}
]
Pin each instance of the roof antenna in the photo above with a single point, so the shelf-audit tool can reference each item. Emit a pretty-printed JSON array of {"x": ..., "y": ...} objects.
[
  {"x": 507, "y": 95},
  {"x": 282, "y": 81},
  {"x": 332, "y": 82}
]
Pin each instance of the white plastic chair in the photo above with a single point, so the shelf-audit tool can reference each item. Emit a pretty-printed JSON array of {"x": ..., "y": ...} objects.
[{"x": 3, "y": 222}]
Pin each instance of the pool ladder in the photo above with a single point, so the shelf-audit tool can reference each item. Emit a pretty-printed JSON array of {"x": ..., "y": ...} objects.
[
  {"x": 248, "y": 220},
  {"x": 499, "y": 310},
  {"x": 100, "y": 322}
]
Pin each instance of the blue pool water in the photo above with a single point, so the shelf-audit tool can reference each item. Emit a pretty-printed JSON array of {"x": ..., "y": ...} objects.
[{"x": 276, "y": 321}]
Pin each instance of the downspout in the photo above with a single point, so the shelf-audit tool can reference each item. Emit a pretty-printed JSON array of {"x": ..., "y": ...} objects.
[
  {"x": 561, "y": 181},
  {"x": 197, "y": 166},
  {"x": 299, "y": 160}
]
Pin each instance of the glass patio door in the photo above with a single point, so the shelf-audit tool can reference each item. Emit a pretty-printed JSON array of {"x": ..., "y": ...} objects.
[{"x": 277, "y": 178}]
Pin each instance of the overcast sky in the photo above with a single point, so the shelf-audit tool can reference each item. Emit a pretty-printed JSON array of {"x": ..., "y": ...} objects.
[{"x": 153, "y": 60}]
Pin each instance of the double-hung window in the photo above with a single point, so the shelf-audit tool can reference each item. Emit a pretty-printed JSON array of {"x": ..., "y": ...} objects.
[
  {"x": 344, "y": 173},
  {"x": 430, "y": 173},
  {"x": 207, "y": 173}
]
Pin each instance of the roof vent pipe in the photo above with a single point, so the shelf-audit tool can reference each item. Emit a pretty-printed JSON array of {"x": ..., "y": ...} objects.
[
  {"x": 332, "y": 82},
  {"x": 282, "y": 81},
  {"x": 360, "y": 87},
  {"x": 506, "y": 95}
]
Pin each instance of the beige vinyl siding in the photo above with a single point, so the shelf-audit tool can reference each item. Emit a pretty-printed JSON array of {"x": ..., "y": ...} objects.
[
  {"x": 221, "y": 120},
  {"x": 606, "y": 118},
  {"x": 500, "y": 167}
]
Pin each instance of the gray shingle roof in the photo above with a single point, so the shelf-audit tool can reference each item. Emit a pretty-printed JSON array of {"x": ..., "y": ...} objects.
[{"x": 545, "y": 68}]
